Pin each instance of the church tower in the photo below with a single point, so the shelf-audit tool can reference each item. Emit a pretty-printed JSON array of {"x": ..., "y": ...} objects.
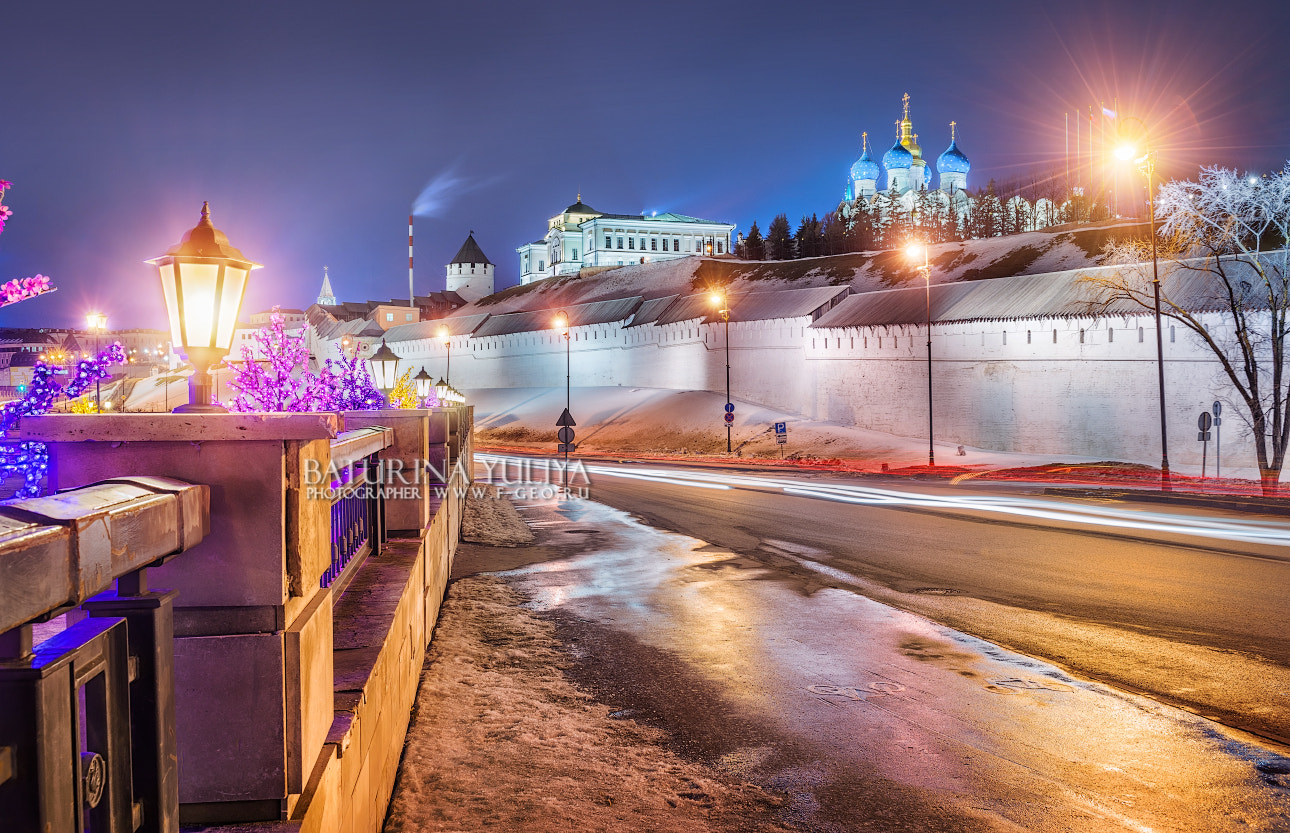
[
  {"x": 470, "y": 274},
  {"x": 864, "y": 174},
  {"x": 953, "y": 166},
  {"x": 326, "y": 297}
]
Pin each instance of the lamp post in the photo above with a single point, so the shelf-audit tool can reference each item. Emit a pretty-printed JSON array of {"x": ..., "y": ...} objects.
[
  {"x": 1145, "y": 159},
  {"x": 915, "y": 251},
  {"x": 723, "y": 309},
  {"x": 203, "y": 279},
  {"x": 385, "y": 367},
  {"x": 97, "y": 323},
  {"x": 446, "y": 338},
  {"x": 565, "y": 422}
]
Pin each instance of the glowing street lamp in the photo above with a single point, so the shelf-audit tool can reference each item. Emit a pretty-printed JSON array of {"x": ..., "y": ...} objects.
[
  {"x": 425, "y": 384},
  {"x": 917, "y": 252},
  {"x": 441, "y": 389},
  {"x": 385, "y": 368},
  {"x": 96, "y": 322},
  {"x": 1141, "y": 154},
  {"x": 723, "y": 309},
  {"x": 203, "y": 279}
]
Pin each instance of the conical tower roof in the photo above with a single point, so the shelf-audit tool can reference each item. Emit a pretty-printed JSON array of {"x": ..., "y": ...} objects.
[{"x": 470, "y": 252}]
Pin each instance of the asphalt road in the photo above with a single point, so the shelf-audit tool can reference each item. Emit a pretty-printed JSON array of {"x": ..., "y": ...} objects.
[
  {"x": 1188, "y": 607},
  {"x": 773, "y": 667}
]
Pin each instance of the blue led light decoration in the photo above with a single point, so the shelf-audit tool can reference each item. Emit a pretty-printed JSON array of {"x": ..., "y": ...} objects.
[{"x": 31, "y": 459}]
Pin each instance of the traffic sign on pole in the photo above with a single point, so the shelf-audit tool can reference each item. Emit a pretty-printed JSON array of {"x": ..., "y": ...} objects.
[
  {"x": 565, "y": 434},
  {"x": 730, "y": 417},
  {"x": 781, "y": 428},
  {"x": 730, "y": 407},
  {"x": 566, "y": 419}
]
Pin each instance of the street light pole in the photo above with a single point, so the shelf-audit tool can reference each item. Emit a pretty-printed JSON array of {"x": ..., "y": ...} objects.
[
  {"x": 1149, "y": 168},
  {"x": 914, "y": 250},
  {"x": 723, "y": 304},
  {"x": 1147, "y": 164}
]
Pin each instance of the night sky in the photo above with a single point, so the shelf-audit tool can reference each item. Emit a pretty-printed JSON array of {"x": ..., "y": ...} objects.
[{"x": 312, "y": 127}]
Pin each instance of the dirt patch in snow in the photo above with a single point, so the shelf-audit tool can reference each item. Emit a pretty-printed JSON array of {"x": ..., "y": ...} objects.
[
  {"x": 501, "y": 738},
  {"x": 494, "y": 521}
]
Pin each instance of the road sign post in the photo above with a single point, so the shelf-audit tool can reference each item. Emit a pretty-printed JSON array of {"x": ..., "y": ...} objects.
[
  {"x": 1203, "y": 422},
  {"x": 781, "y": 436},
  {"x": 565, "y": 436}
]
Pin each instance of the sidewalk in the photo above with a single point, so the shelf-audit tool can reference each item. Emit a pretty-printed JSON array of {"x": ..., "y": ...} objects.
[{"x": 501, "y": 739}]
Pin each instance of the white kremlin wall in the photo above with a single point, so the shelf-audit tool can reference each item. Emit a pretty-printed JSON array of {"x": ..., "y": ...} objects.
[{"x": 1091, "y": 393}]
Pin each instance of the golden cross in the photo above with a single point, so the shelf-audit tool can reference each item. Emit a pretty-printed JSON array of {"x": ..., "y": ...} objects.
[{"x": 906, "y": 100}]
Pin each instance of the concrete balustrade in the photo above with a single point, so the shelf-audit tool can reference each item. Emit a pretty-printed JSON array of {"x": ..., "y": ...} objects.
[{"x": 291, "y": 701}]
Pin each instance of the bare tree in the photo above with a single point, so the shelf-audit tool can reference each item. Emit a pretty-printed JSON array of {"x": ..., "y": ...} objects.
[{"x": 1222, "y": 244}]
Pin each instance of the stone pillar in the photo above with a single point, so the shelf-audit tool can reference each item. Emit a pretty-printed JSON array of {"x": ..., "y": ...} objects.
[{"x": 253, "y": 627}]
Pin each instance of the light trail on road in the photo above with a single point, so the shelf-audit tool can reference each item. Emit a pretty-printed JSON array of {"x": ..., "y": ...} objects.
[{"x": 1211, "y": 527}]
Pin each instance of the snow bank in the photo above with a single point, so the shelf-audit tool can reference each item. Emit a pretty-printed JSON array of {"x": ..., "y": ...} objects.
[{"x": 493, "y": 521}]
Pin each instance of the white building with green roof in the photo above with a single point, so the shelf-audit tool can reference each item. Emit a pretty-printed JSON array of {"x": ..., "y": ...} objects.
[{"x": 581, "y": 237}]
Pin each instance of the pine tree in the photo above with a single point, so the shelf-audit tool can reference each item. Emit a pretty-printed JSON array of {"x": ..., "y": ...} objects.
[
  {"x": 779, "y": 239},
  {"x": 754, "y": 245}
]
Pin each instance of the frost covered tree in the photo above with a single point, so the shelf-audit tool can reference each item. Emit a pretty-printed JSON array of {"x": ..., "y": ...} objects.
[{"x": 1224, "y": 238}]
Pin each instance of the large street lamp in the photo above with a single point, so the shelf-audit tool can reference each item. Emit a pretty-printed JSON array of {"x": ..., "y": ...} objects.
[
  {"x": 723, "y": 308},
  {"x": 1141, "y": 154},
  {"x": 203, "y": 279},
  {"x": 917, "y": 251},
  {"x": 385, "y": 367},
  {"x": 97, "y": 323}
]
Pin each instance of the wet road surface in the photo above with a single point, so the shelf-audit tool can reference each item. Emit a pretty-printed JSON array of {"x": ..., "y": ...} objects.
[{"x": 867, "y": 716}]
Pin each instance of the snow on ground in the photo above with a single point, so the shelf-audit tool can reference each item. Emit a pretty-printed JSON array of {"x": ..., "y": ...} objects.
[
  {"x": 500, "y": 739},
  {"x": 658, "y": 421},
  {"x": 495, "y": 521}
]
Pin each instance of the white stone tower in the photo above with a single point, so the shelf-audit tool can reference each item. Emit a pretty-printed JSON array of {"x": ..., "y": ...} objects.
[{"x": 470, "y": 274}]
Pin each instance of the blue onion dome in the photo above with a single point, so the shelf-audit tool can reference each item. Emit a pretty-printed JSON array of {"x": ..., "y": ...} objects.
[
  {"x": 898, "y": 158},
  {"x": 927, "y": 175},
  {"x": 865, "y": 167},
  {"x": 952, "y": 161}
]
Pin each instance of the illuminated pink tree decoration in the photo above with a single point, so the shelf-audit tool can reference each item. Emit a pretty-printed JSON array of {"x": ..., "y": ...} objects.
[{"x": 18, "y": 289}]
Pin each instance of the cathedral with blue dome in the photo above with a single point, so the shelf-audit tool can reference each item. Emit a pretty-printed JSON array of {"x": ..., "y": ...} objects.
[{"x": 907, "y": 171}]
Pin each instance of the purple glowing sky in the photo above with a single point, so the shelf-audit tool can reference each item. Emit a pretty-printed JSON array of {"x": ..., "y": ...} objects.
[{"x": 312, "y": 127}]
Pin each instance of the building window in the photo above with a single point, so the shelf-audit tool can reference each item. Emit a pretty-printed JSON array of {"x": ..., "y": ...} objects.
[
  {"x": 653, "y": 244},
  {"x": 1005, "y": 338},
  {"x": 1139, "y": 335},
  {"x": 1081, "y": 336},
  {"x": 719, "y": 249},
  {"x": 676, "y": 244},
  {"x": 620, "y": 245},
  {"x": 609, "y": 242},
  {"x": 575, "y": 254},
  {"x": 642, "y": 244},
  {"x": 1110, "y": 335},
  {"x": 407, "y": 316},
  {"x": 1054, "y": 336},
  {"x": 1171, "y": 333},
  {"x": 631, "y": 242},
  {"x": 389, "y": 316},
  {"x": 1027, "y": 336},
  {"x": 541, "y": 265},
  {"x": 665, "y": 244}
]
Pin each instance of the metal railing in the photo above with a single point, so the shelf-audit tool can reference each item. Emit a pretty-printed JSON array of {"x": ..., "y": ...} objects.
[
  {"x": 357, "y": 511},
  {"x": 87, "y": 717}
]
